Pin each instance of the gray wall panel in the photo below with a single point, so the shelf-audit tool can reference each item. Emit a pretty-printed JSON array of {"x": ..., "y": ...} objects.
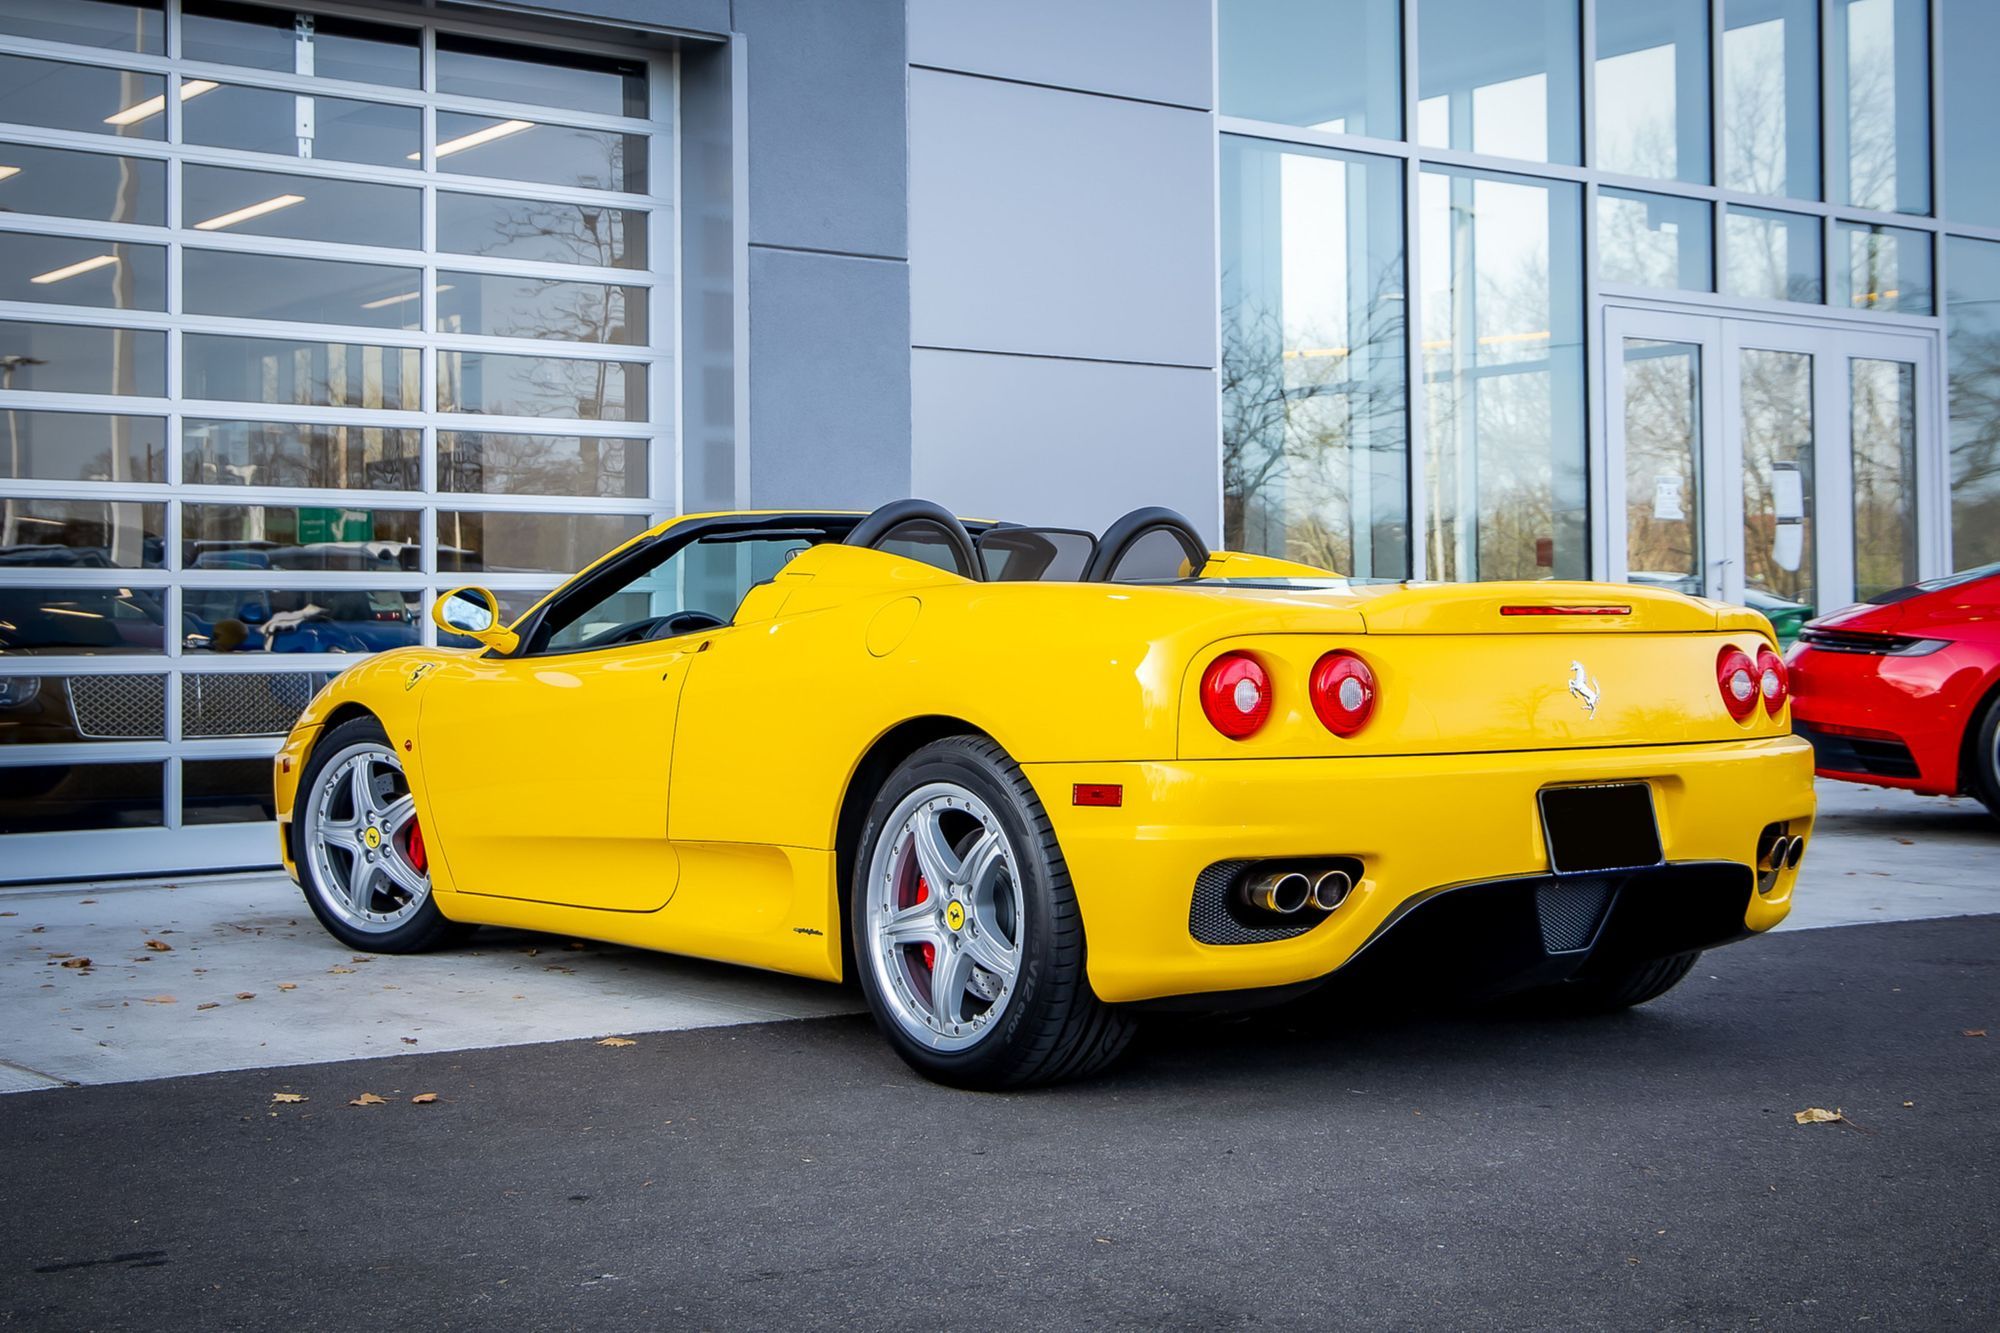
[
  {"x": 1155, "y": 49},
  {"x": 1066, "y": 442},
  {"x": 1060, "y": 223},
  {"x": 828, "y": 149},
  {"x": 829, "y": 380},
  {"x": 710, "y": 16}
]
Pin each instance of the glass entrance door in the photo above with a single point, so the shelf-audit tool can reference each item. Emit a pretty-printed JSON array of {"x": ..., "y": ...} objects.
[{"x": 1774, "y": 465}]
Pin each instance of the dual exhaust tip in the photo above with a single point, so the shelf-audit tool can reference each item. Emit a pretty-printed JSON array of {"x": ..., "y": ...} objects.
[
  {"x": 1289, "y": 892},
  {"x": 1785, "y": 853}
]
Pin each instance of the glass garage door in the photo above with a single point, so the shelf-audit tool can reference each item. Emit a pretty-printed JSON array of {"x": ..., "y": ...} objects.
[{"x": 305, "y": 316}]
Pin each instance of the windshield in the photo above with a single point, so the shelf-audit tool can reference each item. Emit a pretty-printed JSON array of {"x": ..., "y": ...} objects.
[{"x": 707, "y": 577}]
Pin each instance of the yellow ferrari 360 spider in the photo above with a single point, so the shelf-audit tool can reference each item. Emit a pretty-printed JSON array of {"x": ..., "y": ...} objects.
[{"x": 1026, "y": 783}]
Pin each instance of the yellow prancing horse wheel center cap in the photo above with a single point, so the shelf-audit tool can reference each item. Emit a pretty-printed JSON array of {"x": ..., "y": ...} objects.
[
  {"x": 954, "y": 915},
  {"x": 373, "y": 837}
]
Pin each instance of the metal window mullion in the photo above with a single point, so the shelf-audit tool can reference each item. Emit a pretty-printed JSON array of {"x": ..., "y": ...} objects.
[
  {"x": 1416, "y": 403},
  {"x": 84, "y": 752}
]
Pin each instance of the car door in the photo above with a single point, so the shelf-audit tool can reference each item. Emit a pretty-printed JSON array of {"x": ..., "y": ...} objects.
[{"x": 546, "y": 772}]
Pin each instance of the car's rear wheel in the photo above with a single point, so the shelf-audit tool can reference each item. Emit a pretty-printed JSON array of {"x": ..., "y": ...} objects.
[
  {"x": 361, "y": 855},
  {"x": 966, "y": 931},
  {"x": 1620, "y": 988}
]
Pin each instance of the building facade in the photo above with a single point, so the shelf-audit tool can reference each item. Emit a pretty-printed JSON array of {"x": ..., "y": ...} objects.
[{"x": 310, "y": 313}]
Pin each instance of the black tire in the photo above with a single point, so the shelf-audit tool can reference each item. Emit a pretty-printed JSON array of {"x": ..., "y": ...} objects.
[
  {"x": 1053, "y": 1026},
  {"x": 1633, "y": 985},
  {"x": 1982, "y": 766},
  {"x": 426, "y": 928}
]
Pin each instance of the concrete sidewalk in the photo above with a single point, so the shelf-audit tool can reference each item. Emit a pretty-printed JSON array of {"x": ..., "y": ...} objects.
[{"x": 138, "y": 1012}]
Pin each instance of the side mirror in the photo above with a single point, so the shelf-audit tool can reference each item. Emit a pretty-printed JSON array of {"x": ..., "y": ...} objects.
[{"x": 474, "y": 613}]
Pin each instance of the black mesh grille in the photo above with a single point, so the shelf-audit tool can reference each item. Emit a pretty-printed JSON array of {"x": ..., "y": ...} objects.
[
  {"x": 1211, "y": 921},
  {"x": 1569, "y": 911}
]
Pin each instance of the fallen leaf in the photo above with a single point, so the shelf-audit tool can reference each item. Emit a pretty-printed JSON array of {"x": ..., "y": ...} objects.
[
  {"x": 337, "y": 970},
  {"x": 246, "y": 995},
  {"x": 1818, "y": 1115},
  {"x": 60, "y": 955},
  {"x": 287, "y": 1098},
  {"x": 36, "y": 930},
  {"x": 368, "y": 1099},
  {"x": 9, "y": 913},
  {"x": 617, "y": 1041},
  {"x": 424, "y": 1098},
  {"x": 209, "y": 1004},
  {"x": 362, "y": 958},
  {"x": 76, "y": 962},
  {"x": 1909, "y": 1103},
  {"x": 409, "y": 1041},
  {"x": 159, "y": 946},
  {"x": 85, "y": 902},
  {"x": 574, "y": 944},
  {"x": 1907, "y": 842},
  {"x": 161, "y": 999},
  {"x": 1970, "y": 1032}
]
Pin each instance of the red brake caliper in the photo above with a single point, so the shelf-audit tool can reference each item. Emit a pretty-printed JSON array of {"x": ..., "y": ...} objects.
[
  {"x": 419, "y": 859},
  {"x": 929, "y": 949}
]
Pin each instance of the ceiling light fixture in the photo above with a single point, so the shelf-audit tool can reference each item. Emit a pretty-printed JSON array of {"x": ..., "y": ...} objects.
[
  {"x": 406, "y": 296},
  {"x": 71, "y": 270},
  {"x": 153, "y": 106},
  {"x": 249, "y": 211},
  {"x": 478, "y": 137}
]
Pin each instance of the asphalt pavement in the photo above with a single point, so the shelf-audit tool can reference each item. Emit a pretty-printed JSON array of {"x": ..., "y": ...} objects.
[{"x": 1353, "y": 1168}]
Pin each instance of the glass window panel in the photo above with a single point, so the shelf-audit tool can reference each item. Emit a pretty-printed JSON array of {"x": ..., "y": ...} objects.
[
  {"x": 227, "y": 791},
  {"x": 1880, "y": 104},
  {"x": 300, "y": 291},
  {"x": 64, "y": 183},
  {"x": 90, "y": 98},
  {"x": 1652, "y": 88},
  {"x": 514, "y": 603},
  {"x": 289, "y": 620},
  {"x": 513, "y": 541},
  {"x": 260, "y": 120},
  {"x": 63, "y": 270},
  {"x": 507, "y": 72},
  {"x": 1663, "y": 463},
  {"x": 281, "y": 370},
  {"x": 508, "y": 464},
  {"x": 1773, "y": 256},
  {"x": 1972, "y": 340},
  {"x": 1883, "y": 268},
  {"x": 531, "y": 151},
  {"x": 305, "y": 208},
  {"x": 271, "y": 538},
  {"x": 61, "y": 710},
  {"x": 1770, "y": 97},
  {"x": 540, "y": 386},
  {"x": 76, "y": 798},
  {"x": 1971, "y": 110},
  {"x": 246, "y": 703},
  {"x": 511, "y": 307},
  {"x": 1883, "y": 395},
  {"x": 1503, "y": 477},
  {"x": 1314, "y": 441},
  {"x": 1654, "y": 240},
  {"x": 1499, "y": 79},
  {"x": 542, "y": 231},
  {"x": 88, "y": 621},
  {"x": 260, "y": 38},
  {"x": 1332, "y": 65},
  {"x": 1777, "y": 396},
  {"x": 64, "y": 358},
  {"x": 284, "y": 453},
  {"x": 83, "y": 446},
  {"x": 111, "y": 25},
  {"x": 82, "y": 534}
]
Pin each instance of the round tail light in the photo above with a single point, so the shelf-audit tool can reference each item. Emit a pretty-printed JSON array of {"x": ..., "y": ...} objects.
[
  {"x": 1773, "y": 684},
  {"x": 1236, "y": 695},
  {"x": 1736, "y": 677},
  {"x": 1343, "y": 692}
]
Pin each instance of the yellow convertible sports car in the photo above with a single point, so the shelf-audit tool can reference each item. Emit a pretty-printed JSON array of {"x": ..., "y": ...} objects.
[{"x": 1026, "y": 783}]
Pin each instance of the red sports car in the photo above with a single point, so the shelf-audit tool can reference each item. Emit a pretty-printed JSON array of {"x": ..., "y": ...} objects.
[{"x": 1904, "y": 690}]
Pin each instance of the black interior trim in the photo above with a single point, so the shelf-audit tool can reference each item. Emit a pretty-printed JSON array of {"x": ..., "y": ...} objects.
[
  {"x": 883, "y": 522},
  {"x": 1119, "y": 539}
]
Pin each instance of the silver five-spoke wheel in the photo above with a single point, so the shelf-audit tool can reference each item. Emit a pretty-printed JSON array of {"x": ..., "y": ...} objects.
[
  {"x": 362, "y": 836},
  {"x": 944, "y": 916}
]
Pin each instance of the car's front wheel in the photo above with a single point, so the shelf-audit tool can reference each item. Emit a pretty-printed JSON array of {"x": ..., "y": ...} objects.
[
  {"x": 361, "y": 855},
  {"x": 1984, "y": 765},
  {"x": 966, "y": 931}
]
